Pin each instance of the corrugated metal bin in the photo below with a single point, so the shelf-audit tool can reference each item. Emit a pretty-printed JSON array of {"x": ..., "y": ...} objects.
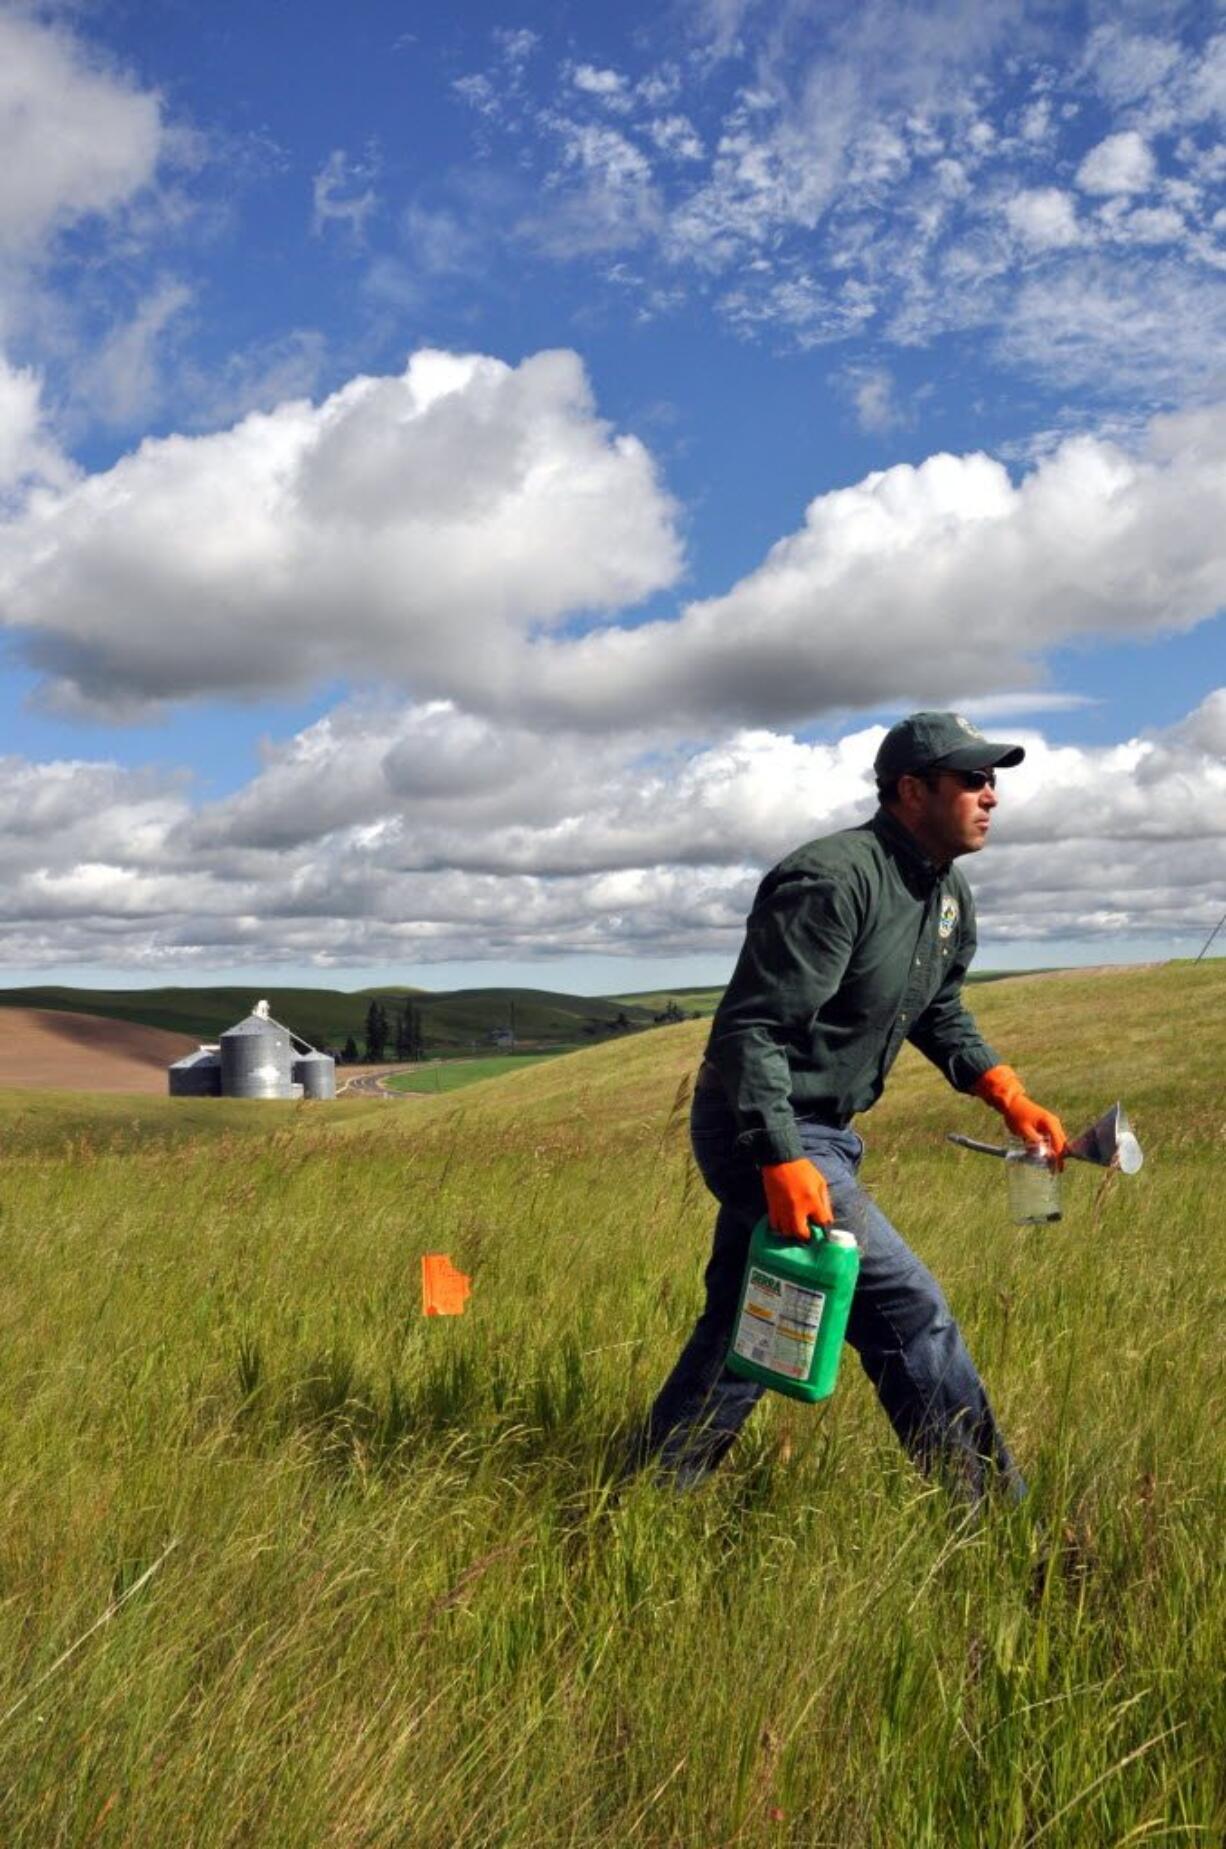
[
  {"x": 256, "y": 1059},
  {"x": 196, "y": 1075},
  {"x": 316, "y": 1073}
]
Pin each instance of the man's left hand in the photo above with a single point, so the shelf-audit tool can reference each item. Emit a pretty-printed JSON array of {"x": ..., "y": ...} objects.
[
  {"x": 1035, "y": 1125},
  {"x": 1004, "y": 1091}
]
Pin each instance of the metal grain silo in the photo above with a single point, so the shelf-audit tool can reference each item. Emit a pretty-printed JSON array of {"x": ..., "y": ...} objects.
[
  {"x": 256, "y": 1058},
  {"x": 316, "y": 1073},
  {"x": 196, "y": 1075}
]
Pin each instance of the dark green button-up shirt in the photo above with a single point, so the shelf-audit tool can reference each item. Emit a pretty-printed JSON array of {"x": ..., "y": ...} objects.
[{"x": 856, "y": 942}]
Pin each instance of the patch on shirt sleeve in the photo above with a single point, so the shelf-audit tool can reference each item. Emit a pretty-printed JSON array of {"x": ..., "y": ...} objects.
[{"x": 949, "y": 917}]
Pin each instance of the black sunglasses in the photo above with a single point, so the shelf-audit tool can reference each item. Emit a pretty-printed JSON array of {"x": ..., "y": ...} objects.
[
  {"x": 974, "y": 779},
  {"x": 969, "y": 779}
]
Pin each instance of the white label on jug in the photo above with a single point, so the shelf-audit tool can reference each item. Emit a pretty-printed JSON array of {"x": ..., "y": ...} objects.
[{"x": 779, "y": 1325}]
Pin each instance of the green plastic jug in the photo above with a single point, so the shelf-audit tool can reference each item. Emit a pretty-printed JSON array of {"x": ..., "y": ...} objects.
[{"x": 793, "y": 1312}]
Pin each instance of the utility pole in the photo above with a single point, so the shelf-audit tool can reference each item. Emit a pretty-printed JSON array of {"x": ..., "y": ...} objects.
[{"x": 1217, "y": 927}]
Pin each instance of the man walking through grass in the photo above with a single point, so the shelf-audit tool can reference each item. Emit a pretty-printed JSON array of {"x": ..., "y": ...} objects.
[{"x": 856, "y": 942}]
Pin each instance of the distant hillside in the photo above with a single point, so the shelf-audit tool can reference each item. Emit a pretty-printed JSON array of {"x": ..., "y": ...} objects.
[
  {"x": 326, "y": 1017},
  {"x": 316, "y": 1014},
  {"x": 700, "y": 1001},
  {"x": 466, "y": 1015},
  {"x": 1082, "y": 1038},
  {"x": 704, "y": 1001},
  {"x": 452, "y": 1020}
]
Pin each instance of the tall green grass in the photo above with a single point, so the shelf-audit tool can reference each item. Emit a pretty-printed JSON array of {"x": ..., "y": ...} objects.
[{"x": 362, "y": 1577}]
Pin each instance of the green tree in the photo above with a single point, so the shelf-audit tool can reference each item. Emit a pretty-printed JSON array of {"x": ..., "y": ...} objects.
[
  {"x": 376, "y": 1031},
  {"x": 409, "y": 1039},
  {"x": 349, "y": 1052}
]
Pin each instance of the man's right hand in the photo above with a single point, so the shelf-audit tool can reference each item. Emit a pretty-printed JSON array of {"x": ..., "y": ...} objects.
[{"x": 796, "y": 1193}]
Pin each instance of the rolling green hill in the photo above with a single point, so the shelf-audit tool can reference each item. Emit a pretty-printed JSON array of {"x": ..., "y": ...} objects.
[
  {"x": 452, "y": 1020},
  {"x": 700, "y": 1001},
  {"x": 467, "y": 1015},
  {"x": 325, "y": 1017},
  {"x": 318, "y": 1015}
]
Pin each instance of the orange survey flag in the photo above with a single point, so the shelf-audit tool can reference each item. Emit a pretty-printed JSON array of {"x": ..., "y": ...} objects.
[{"x": 443, "y": 1288}]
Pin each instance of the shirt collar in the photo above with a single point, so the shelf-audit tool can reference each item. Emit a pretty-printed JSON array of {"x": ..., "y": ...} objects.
[{"x": 903, "y": 844}]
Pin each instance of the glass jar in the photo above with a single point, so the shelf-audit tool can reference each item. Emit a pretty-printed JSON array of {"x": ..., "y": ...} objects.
[{"x": 1034, "y": 1183}]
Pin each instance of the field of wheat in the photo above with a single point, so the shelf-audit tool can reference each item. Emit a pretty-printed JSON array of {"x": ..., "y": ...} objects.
[{"x": 284, "y": 1563}]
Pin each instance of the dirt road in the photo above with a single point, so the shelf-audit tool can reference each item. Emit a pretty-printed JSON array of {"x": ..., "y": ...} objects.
[{"x": 370, "y": 1082}]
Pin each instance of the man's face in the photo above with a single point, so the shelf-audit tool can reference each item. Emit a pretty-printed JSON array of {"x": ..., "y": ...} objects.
[{"x": 950, "y": 811}]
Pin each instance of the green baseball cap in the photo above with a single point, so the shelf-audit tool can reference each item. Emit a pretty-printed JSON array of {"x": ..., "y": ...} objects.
[{"x": 940, "y": 741}]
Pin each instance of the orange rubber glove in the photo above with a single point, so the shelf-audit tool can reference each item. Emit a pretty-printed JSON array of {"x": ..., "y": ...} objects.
[
  {"x": 796, "y": 1193},
  {"x": 1004, "y": 1091}
]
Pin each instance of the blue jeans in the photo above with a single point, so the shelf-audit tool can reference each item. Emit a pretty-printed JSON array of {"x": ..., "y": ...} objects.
[{"x": 901, "y": 1327}]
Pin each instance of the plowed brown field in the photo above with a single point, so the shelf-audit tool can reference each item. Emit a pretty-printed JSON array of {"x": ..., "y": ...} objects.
[{"x": 54, "y": 1050}]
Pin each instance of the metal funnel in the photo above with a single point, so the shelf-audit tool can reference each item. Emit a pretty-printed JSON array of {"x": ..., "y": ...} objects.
[{"x": 1110, "y": 1143}]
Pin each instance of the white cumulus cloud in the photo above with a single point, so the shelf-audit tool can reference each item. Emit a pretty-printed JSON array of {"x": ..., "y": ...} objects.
[
  {"x": 1043, "y": 217},
  {"x": 76, "y": 137},
  {"x": 415, "y": 527},
  {"x": 1120, "y": 163},
  {"x": 462, "y": 529},
  {"x": 925, "y": 584},
  {"x": 609, "y": 86},
  {"x": 423, "y": 834}
]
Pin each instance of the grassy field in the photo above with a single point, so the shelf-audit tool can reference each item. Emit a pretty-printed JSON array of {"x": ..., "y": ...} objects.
[
  {"x": 283, "y": 1563},
  {"x": 458, "y": 1074}
]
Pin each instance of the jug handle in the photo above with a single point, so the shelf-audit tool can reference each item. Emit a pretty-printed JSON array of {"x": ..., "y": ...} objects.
[{"x": 816, "y": 1231}]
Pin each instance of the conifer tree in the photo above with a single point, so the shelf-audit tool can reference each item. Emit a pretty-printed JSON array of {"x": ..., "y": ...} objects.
[{"x": 376, "y": 1031}]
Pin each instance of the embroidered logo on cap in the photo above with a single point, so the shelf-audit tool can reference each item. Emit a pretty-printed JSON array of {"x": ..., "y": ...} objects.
[{"x": 972, "y": 731}]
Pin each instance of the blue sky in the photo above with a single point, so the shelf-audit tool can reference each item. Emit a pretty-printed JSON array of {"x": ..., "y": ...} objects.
[{"x": 473, "y": 489}]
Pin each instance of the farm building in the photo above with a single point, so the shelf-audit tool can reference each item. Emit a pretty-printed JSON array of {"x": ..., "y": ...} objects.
[{"x": 256, "y": 1058}]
